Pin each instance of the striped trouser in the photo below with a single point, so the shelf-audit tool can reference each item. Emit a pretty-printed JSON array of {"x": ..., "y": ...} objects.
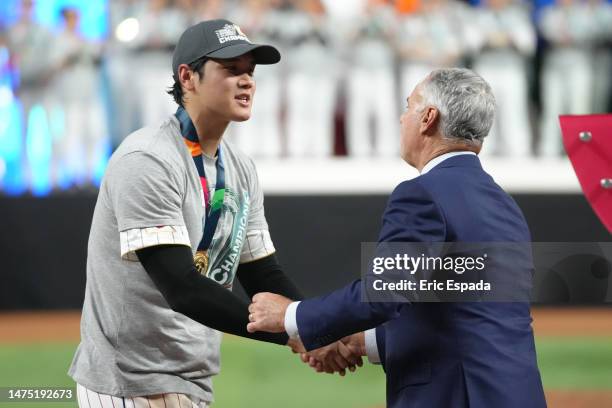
[{"x": 91, "y": 399}]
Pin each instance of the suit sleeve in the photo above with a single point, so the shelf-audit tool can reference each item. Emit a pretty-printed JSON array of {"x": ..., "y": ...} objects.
[{"x": 411, "y": 216}]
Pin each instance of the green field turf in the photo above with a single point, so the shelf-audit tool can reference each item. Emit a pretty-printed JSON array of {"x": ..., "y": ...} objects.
[{"x": 261, "y": 375}]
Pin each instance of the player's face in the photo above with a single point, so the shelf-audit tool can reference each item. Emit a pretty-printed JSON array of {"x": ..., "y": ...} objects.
[
  {"x": 409, "y": 127},
  {"x": 228, "y": 88}
]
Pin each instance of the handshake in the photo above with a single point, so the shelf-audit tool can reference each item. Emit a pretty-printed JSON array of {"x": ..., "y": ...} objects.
[{"x": 267, "y": 313}]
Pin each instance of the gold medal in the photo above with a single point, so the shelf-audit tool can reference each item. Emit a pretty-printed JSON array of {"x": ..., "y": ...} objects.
[{"x": 201, "y": 261}]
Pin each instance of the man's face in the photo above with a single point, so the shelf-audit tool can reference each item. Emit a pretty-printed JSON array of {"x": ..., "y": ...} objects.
[
  {"x": 227, "y": 88},
  {"x": 410, "y": 137},
  {"x": 72, "y": 20},
  {"x": 27, "y": 8}
]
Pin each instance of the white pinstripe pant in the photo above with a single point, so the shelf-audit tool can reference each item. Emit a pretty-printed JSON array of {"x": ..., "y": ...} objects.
[{"x": 91, "y": 399}]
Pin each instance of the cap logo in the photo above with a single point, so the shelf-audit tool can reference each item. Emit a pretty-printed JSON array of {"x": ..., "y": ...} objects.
[{"x": 230, "y": 32}]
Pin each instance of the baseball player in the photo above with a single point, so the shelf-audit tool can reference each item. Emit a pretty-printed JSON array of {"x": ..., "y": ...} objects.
[
  {"x": 507, "y": 41},
  {"x": 371, "y": 73},
  {"x": 179, "y": 215},
  {"x": 312, "y": 79},
  {"x": 427, "y": 39},
  {"x": 260, "y": 20},
  {"x": 160, "y": 27},
  {"x": 567, "y": 73},
  {"x": 76, "y": 61},
  {"x": 28, "y": 43}
]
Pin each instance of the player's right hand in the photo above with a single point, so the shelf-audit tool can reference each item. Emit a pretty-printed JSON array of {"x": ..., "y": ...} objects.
[{"x": 333, "y": 358}]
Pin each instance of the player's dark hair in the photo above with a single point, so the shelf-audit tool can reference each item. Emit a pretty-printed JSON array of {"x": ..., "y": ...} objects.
[{"x": 176, "y": 91}]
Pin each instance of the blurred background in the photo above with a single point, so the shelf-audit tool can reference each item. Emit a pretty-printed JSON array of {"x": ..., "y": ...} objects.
[{"x": 76, "y": 77}]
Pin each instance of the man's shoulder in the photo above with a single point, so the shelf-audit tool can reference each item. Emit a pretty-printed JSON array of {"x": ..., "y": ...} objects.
[
  {"x": 412, "y": 188},
  {"x": 456, "y": 173},
  {"x": 160, "y": 141},
  {"x": 455, "y": 180},
  {"x": 469, "y": 192}
]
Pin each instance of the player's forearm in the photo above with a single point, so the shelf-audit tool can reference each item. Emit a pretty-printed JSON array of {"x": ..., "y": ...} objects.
[
  {"x": 197, "y": 297},
  {"x": 266, "y": 275}
]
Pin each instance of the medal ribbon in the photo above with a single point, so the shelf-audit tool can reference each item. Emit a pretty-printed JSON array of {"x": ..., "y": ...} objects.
[{"x": 212, "y": 211}]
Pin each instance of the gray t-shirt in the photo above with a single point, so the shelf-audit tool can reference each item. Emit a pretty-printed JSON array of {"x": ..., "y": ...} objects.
[{"x": 132, "y": 342}]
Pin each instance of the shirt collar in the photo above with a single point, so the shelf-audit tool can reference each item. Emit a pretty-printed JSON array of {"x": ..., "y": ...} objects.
[{"x": 439, "y": 159}]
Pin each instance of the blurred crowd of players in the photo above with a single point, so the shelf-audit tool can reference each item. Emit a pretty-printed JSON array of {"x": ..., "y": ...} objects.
[{"x": 347, "y": 68}]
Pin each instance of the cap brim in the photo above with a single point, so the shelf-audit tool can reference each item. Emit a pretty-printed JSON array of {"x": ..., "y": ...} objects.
[{"x": 263, "y": 54}]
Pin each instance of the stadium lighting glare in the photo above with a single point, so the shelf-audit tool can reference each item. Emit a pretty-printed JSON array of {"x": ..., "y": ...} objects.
[
  {"x": 127, "y": 30},
  {"x": 6, "y": 96},
  {"x": 4, "y": 56}
]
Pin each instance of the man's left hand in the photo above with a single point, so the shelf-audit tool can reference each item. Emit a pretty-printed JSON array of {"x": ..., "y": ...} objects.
[
  {"x": 267, "y": 313},
  {"x": 333, "y": 358}
]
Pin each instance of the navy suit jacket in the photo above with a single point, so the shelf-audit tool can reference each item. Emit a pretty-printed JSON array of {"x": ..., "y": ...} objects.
[{"x": 442, "y": 354}]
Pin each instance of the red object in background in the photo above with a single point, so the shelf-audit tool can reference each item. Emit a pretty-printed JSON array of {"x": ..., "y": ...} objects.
[
  {"x": 588, "y": 142},
  {"x": 407, "y": 6}
]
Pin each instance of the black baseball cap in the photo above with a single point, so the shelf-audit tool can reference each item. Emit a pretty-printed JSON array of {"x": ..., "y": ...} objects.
[{"x": 219, "y": 39}]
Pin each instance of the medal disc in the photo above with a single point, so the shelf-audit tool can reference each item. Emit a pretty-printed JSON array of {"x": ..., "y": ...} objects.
[{"x": 201, "y": 261}]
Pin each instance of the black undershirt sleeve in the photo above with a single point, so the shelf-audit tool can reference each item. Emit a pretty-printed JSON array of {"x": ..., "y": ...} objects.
[
  {"x": 266, "y": 275},
  {"x": 188, "y": 292}
]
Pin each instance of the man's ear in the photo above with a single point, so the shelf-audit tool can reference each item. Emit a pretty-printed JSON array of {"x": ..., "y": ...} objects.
[
  {"x": 429, "y": 120},
  {"x": 186, "y": 77}
]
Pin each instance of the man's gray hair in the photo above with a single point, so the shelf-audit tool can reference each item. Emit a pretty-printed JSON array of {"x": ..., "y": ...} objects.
[{"x": 465, "y": 102}]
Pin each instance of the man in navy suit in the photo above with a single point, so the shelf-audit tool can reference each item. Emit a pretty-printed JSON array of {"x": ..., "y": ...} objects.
[{"x": 463, "y": 354}]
